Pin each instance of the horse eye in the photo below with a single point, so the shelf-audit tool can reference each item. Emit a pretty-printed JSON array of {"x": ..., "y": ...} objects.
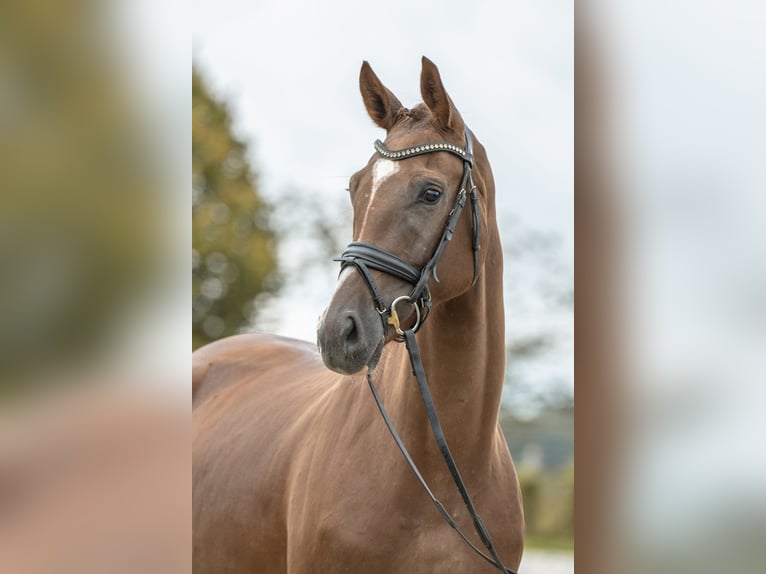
[{"x": 432, "y": 196}]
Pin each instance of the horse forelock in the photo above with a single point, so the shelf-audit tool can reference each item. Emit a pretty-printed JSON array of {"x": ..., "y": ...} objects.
[{"x": 418, "y": 118}]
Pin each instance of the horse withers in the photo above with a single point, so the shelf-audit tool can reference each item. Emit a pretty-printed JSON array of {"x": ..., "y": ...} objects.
[{"x": 294, "y": 469}]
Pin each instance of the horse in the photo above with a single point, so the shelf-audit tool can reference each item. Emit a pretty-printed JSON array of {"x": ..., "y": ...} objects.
[{"x": 294, "y": 469}]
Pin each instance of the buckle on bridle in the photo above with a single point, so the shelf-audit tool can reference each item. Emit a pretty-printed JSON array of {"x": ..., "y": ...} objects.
[{"x": 393, "y": 317}]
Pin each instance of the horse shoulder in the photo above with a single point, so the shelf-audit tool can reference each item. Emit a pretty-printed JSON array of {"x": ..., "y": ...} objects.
[{"x": 251, "y": 399}]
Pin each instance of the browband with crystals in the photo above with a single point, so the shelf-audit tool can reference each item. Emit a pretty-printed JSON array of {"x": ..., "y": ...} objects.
[{"x": 397, "y": 154}]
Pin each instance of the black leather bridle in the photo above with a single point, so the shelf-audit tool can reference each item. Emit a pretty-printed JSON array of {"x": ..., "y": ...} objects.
[{"x": 366, "y": 256}]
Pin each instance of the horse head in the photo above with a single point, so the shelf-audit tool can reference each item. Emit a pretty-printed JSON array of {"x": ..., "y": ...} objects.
[{"x": 402, "y": 201}]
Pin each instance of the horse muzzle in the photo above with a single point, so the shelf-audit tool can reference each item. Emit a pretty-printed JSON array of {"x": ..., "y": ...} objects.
[{"x": 350, "y": 340}]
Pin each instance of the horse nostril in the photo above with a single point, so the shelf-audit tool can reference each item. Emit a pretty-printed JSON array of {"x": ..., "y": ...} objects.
[
  {"x": 351, "y": 332},
  {"x": 351, "y": 335},
  {"x": 348, "y": 340}
]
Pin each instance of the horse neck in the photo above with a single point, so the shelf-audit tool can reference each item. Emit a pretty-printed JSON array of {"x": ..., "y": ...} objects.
[{"x": 462, "y": 346}]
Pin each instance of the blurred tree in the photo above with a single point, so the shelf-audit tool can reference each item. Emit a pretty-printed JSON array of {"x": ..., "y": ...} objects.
[
  {"x": 233, "y": 245},
  {"x": 81, "y": 200}
]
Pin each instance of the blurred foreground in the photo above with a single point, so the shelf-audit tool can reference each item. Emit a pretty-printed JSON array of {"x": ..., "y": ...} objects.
[
  {"x": 94, "y": 401},
  {"x": 96, "y": 481},
  {"x": 89, "y": 215},
  {"x": 671, "y": 327}
]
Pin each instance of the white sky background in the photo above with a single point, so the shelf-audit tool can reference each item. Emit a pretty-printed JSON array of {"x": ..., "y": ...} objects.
[{"x": 290, "y": 71}]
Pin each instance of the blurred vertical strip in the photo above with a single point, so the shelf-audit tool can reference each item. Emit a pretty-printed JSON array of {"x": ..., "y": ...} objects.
[
  {"x": 597, "y": 346},
  {"x": 95, "y": 194},
  {"x": 83, "y": 202},
  {"x": 671, "y": 242}
]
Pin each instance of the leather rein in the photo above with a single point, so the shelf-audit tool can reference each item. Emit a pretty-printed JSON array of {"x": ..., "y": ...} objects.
[{"x": 366, "y": 256}]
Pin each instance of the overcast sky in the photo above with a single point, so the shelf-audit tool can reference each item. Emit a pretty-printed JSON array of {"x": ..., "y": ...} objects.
[{"x": 291, "y": 68}]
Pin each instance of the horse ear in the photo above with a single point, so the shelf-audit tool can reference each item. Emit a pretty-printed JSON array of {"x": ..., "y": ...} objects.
[
  {"x": 381, "y": 104},
  {"x": 436, "y": 97}
]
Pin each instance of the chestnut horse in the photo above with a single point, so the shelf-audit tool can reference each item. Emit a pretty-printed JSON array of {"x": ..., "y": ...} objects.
[{"x": 294, "y": 469}]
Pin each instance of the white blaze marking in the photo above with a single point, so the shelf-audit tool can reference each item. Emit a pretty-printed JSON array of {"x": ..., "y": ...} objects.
[
  {"x": 381, "y": 171},
  {"x": 345, "y": 274}
]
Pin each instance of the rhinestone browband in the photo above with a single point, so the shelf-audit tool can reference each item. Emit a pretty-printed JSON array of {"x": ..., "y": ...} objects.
[{"x": 398, "y": 154}]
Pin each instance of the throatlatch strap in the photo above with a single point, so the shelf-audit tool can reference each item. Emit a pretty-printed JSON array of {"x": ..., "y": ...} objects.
[{"x": 476, "y": 227}]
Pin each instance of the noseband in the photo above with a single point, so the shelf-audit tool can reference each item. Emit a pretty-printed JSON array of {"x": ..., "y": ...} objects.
[{"x": 366, "y": 256}]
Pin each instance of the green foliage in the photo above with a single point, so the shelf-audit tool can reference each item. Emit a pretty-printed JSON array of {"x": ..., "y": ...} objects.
[
  {"x": 543, "y": 450},
  {"x": 548, "y": 506},
  {"x": 79, "y": 215},
  {"x": 233, "y": 245}
]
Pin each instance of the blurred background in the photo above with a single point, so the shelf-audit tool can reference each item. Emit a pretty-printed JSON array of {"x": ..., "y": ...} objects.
[
  {"x": 94, "y": 240},
  {"x": 670, "y": 209},
  {"x": 279, "y": 127},
  {"x": 669, "y": 201}
]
